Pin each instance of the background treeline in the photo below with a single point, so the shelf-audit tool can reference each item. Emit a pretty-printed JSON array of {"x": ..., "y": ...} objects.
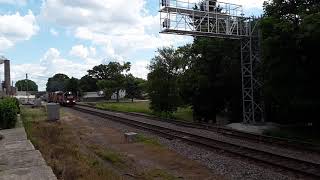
[
  {"x": 109, "y": 78},
  {"x": 291, "y": 36},
  {"x": 206, "y": 74}
]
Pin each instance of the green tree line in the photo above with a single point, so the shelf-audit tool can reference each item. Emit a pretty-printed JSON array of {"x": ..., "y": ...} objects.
[
  {"x": 206, "y": 74},
  {"x": 109, "y": 78}
]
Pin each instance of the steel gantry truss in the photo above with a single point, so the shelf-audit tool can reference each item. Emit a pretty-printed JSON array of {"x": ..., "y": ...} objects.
[{"x": 221, "y": 20}]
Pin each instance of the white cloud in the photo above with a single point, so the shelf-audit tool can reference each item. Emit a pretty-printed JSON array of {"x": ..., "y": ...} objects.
[
  {"x": 88, "y": 54},
  {"x": 120, "y": 27},
  {"x": 52, "y": 63},
  {"x": 79, "y": 51},
  {"x": 54, "y": 32},
  {"x": 93, "y": 51},
  {"x": 14, "y": 2},
  {"x": 5, "y": 44},
  {"x": 15, "y": 28},
  {"x": 139, "y": 69}
]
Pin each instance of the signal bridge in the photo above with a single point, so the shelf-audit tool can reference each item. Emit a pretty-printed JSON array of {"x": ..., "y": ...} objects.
[{"x": 221, "y": 20}]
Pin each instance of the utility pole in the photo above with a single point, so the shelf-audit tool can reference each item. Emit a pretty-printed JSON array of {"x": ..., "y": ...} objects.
[
  {"x": 27, "y": 87},
  {"x": 12, "y": 89}
]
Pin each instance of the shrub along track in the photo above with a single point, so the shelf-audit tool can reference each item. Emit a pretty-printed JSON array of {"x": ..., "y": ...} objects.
[
  {"x": 297, "y": 166},
  {"x": 257, "y": 138}
]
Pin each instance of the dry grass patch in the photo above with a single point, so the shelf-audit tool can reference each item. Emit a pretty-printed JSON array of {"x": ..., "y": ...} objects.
[
  {"x": 62, "y": 149},
  {"x": 148, "y": 141},
  {"x": 109, "y": 155}
]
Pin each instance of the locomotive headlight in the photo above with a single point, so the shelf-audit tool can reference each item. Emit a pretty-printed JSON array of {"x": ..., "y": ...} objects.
[{"x": 68, "y": 101}]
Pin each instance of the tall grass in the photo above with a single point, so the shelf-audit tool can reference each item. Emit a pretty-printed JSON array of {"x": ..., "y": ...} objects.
[{"x": 62, "y": 149}]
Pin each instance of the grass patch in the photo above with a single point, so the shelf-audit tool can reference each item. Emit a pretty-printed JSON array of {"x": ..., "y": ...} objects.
[
  {"x": 138, "y": 107},
  {"x": 19, "y": 123},
  {"x": 33, "y": 114},
  {"x": 29, "y": 117},
  {"x": 61, "y": 148},
  {"x": 158, "y": 174},
  {"x": 148, "y": 140},
  {"x": 109, "y": 155},
  {"x": 184, "y": 114}
]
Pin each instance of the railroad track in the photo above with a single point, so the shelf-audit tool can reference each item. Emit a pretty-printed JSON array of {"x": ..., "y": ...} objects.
[
  {"x": 257, "y": 138},
  {"x": 301, "y": 167}
]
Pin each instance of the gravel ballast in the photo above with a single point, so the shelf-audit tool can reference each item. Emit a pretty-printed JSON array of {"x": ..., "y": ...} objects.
[
  {"x": 218, "y": 162},
  {"x": 297, "y": 154}
]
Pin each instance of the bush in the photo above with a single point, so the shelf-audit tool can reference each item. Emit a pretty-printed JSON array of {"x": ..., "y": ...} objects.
[
  {"x": 17, "y": 103},
  {"x": 8, "y": 113}
]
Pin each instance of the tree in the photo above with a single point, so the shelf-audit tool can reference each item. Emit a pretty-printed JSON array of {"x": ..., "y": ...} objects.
[
  {"x": 24, "y": 85},
  {"x": 72, "y": 85},
  {"x": 110, "y": 76},
  {"x": 109, "y": 71},
  {"x": 163, "y": 82},
  {"x": 211, "y": 80},
  {"x": 88, "y": 84},
  {"x": 134, "y": 87},
  {"x": 107, "y": 87},
  {"x": 57, "y": 83},
  {"x": 290, "y": 30}
]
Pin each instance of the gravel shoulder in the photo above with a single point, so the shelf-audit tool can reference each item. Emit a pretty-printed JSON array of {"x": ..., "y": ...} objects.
[
  {"x": 298, "y": 154},
  {"x": 142, "y": 159},
  {"x": 218, "y": 163}
]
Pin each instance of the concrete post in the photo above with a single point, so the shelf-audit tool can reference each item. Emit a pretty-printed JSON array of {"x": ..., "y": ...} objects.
[
  {"x": 130, "y": 137},
  {"x": 53, "y": 111}
]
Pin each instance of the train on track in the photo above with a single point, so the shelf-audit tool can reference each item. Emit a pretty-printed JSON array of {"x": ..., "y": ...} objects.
[{"x": 63, "y": 98}]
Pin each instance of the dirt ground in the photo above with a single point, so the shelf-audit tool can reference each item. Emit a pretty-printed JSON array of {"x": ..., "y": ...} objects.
[{"x": 131, "y": 160}]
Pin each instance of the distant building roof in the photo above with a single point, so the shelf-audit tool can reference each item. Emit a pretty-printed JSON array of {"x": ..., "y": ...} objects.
[{"x": 91, "y": 95}]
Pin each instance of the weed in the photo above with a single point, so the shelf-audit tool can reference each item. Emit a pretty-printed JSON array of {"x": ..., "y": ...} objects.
[
  {"x": 148, "y": 140},
  {"x": 109, "y": 155}
]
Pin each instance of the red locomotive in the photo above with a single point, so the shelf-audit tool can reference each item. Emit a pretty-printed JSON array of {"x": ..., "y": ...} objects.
[{"x": 63, "y": 98}]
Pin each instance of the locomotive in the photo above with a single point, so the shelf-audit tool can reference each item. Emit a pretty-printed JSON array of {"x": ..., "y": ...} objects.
[{"x": 63, "y": 98}]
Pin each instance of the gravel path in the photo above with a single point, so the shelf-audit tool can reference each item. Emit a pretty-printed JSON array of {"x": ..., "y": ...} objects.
[
  {"x": 302, "y": 155},
  {"x": 230, "y": 167}
]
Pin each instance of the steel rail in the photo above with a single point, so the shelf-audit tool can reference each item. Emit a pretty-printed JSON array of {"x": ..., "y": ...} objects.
[
  {"x": 282, "y": 142},
  {"x": 302, "y": 167}
]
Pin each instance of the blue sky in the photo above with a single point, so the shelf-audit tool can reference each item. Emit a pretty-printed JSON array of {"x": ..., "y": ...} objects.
[{"x": 44, "y": 37}]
